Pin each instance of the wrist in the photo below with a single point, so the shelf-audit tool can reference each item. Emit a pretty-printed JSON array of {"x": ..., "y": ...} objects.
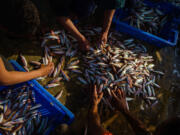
[
  {"x": 81, "y": 38},
  {"x": 104, "y": 33},
  {"x": 39, "y": 72},
  {"x": 94, "y": 108},
  {"x": 124, "y": 111}
]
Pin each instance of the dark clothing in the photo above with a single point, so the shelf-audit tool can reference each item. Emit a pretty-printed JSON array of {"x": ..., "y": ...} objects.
[
  {"x": 19, "y": 16},
  {"x": 83, "y": 7},
  {"x": 7, "y": 65}
]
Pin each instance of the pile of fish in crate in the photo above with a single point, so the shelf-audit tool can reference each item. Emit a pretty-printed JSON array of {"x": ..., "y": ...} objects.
[
  {"x": 175, "y": 2},
  {"x": 121, "y": 63},
  {"x": 19, "y": 112},
  {"x": 146, "y": 18}
]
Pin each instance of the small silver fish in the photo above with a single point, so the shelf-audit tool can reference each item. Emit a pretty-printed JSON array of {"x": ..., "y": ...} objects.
[
  {"x": 72, "y": 67},
  {"x": 52, "y": 85},
  {"x": 74, "y": 63},
  {"x": 65, "y": 75},
  {"x": 59, "y": 95},
  {"x": 58, "y": 52},
  {"x": 56, "y": 80},
  {"x": 76, "y": 71},
  {"x": 82, "y": 80},
  {"x": 35, "y": 63}
]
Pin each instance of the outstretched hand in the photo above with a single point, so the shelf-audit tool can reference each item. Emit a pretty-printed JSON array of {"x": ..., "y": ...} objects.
[
  {"x": 46, "y": 69},
  {"x": 119, "y": 100},
  {"x": 84, "y": 45},
  {"x": 96, "y": 98},
  {"x": 103, "y": 38}
]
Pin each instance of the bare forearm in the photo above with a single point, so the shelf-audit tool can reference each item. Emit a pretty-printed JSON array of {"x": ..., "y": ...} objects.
[
  {"x": 94, "y": 116},
  {"x": 136, "y": 124},
  {"x": 108, "y": 20},
  {"x": 68, "y": 24},
  {"x": 94, "y": 122},
  {"x": 14, "y": 77}
]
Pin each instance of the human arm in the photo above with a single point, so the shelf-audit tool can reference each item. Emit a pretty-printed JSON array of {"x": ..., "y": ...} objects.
[
  {"x": 94, "y": 122},
  {"x": 119, "y": 101},
  {"x": 68, "y": 24},
  {"x": 15, "y": 77},
  {"x": 108, "y": 16}
]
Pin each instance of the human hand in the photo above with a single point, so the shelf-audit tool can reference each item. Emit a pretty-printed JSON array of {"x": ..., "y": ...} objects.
[
  {"x": 96, "y": 98},
  {"x": 119, "y": 100},
  {"x": 84, "y": 44},
  {"x": 103, "y": 38},
  {"x": 46, "y": 69}
]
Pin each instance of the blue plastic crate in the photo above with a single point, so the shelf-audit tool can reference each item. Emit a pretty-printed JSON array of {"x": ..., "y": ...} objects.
[
  {"x": 51, "y": 107},
  {"x": 167, "y": 37}
]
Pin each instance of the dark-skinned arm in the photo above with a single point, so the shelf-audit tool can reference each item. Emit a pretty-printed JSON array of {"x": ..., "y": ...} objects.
[
  {"x": 136, "y": 124},
  {"x": 108, "y": 16},
  {"x": 119, "y": 101},
  {"x": 94, "y": 122},
  {"x": 69, "y": 26},
  {"x": 15, "y": 77}
]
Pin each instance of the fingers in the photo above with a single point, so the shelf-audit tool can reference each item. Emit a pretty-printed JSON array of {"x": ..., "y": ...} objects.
[
  {"x": 124, "y": 94},
  {"x": 102, "y": 43},
  {"x": 49, "y": 61},
  {"x": 42, "y": 65},
  {"x": 51, "y": 64},
  {"x": 114, "y": 95},
  {"x": 121, "y": 93},
  {"x": 95, "y": 91},
  {"x": 100, "y": 96},
  {"x": 95, "y": 88}
]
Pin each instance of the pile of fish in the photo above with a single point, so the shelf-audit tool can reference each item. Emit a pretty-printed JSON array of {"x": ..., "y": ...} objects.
[
  {"x": 175, "y": 2},
  {"x": 124, "y": 65},
  {"x": 62, "y": 52},
  {"x": 19, "y": 113},
  {"x": 146, "y": 18},
  {"x": 121, "y": 64}
]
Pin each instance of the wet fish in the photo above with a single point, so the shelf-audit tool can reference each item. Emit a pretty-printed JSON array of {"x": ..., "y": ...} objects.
[
  {"x": 82, "y": 80},
  {"x": 19, "y": 118},
  {"x": 56, "y": 80},
  {"x": 22, "y": 60},
  {"x": 65, "y": 75},
  {"x": 118, "y": 64},
  {"x": 35, "y": 63},
  {"x": 146, "y": 18},
  {"x": 52, "y": 85},
  {"x": 76, "y": 71},
  {"x": 58, "y": 96},
  {"x": 130, "y": 68}
]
